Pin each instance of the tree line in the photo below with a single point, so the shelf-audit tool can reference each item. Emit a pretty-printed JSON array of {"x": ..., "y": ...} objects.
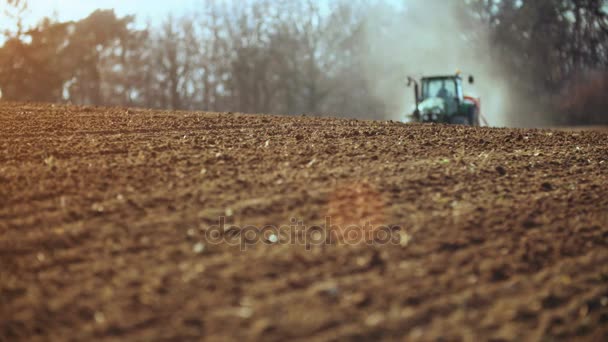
[
  {"x": 555, "y": 51},
  {"x": 294, "y": 57}
]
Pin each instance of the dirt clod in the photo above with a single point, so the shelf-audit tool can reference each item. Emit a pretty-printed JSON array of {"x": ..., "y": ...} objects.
[{"x": 546, "y": 186}]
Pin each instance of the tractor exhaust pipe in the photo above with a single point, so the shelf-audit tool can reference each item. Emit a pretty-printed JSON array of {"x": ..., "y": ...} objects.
[{"x": 411, "y": 80}]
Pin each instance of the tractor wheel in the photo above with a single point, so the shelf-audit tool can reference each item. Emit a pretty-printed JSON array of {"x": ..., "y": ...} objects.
[
  {"x": 461, "y": 120},
  {"x": 476, "y": 122}
]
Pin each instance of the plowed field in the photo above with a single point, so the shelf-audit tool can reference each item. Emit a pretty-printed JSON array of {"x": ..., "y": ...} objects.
[{"x": 110, "y": 228}]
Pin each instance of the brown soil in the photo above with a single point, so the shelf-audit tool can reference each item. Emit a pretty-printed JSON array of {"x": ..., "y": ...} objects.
[{"x": 105, "y": 217}]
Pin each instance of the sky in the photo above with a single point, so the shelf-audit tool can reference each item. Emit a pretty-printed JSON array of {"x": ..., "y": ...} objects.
[{"x": 77, "y": 9}]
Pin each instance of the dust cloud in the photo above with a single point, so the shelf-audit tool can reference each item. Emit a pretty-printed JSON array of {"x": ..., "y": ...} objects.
[{"x": 432, "y": 37}]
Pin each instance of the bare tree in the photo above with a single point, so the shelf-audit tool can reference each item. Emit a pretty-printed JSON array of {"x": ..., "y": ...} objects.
[{"x": 14, "y": 12}]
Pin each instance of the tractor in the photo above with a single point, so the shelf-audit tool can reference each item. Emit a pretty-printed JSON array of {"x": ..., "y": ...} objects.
[{"x": 441, "y": 100}]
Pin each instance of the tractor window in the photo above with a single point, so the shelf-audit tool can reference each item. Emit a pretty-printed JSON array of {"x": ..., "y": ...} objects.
[{"x": 441, "y": 87}]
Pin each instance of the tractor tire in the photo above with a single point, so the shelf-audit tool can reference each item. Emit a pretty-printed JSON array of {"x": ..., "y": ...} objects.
[
  {"x": 461, "y": 120},
  {"x": 475, "y": 117}
]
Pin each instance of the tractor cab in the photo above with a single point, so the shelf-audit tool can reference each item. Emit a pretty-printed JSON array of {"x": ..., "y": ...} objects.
[
  {"x": 442, "y": 87},
  {"x": 440, "y": 99}
]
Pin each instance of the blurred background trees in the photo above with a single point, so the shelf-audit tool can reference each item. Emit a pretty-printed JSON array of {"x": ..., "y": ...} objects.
[
  {"x": 293, "y": 57},
  {"x": 556, "y": 51}
]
